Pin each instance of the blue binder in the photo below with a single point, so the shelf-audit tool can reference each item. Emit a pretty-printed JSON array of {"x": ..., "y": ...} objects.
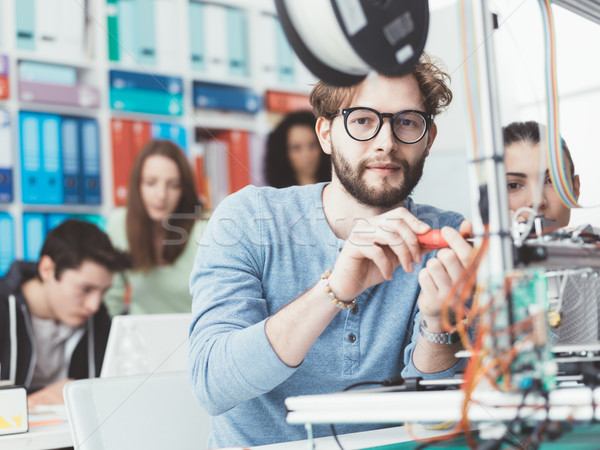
[
  {"x": 120, "y": 79},
  {"x": 53, "y": 178},
  {"x": 34, "y": 235},
  {"x": 146, "y": 52},
  {"x": 237, "y": 39},
  {"x": 196, "y": 24},
  {"x": 90, "y": 150},
  {"x": 32, "y": 190},
  {"x": 7, "y": 243},
  {"x": 71, "y": 156},
  {"x": 6, "y": 159},
  {"x": 55, "y": 219},
  {"x": 6, "y": 193},
  {"x": 172, "y": 132},
  {"x": 25, "y": 24},
  {"x": 216, "y": 96}
]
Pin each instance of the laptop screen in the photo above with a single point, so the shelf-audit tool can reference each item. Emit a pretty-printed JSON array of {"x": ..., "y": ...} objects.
[{"x": 142, "y": 344}]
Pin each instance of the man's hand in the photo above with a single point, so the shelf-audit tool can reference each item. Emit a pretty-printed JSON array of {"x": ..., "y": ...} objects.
[
  {"x": 50, "y": 395},
  {"x": 373, "y": 251},
  {"x": 441, "y": 272}
]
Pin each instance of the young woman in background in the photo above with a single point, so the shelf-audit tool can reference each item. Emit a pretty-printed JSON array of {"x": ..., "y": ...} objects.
[
  {"x": 523, "y": 154},
  {"x": 160, "y": 229},
  {"x": 294, "y": 156}
]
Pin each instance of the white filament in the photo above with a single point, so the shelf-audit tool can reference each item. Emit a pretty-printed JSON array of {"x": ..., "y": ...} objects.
[{"x": 319, "y": 29}]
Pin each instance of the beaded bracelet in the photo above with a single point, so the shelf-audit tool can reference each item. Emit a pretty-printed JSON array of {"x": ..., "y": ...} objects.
[{"x": 340, "y": 304}]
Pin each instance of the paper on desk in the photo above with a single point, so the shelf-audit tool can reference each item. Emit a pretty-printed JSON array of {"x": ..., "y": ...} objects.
[{"x": 47, "y": 414}]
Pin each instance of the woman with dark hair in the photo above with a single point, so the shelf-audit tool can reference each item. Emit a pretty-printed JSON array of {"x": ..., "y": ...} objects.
[
  {"x": 294, "y": 156},
  {"x": 160, "y": 229},
  {"x": 523, "y": 155}
]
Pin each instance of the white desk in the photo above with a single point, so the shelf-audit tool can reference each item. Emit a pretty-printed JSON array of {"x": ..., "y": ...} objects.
[
  {"x": 42, "y": 437},
  {"x": 59, "y": 436},
  {"x": 354, "y": 441}
]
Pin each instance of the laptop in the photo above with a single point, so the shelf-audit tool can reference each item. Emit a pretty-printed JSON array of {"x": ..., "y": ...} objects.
[{"x": 144, "y": 344}]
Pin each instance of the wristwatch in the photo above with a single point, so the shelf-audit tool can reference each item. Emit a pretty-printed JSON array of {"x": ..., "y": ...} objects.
[{"x": 437, "y": 338}]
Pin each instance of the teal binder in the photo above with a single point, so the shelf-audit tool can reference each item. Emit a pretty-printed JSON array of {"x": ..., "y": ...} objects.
[
  {"x": 25, "y": 21},
  {"x": 146, "y": 50},
  {"x": 31, "y": 157},
  {"x": 55, "y": 219},
  {"x": 197, "y": 56},
  {"x": 237, "y": 39},
  {"x": 47, "y": 73},
  {"x": 112, "y": 29},
  {"x": 7, "y": 243},
  {"x": 53, "y": 177},
  {"x": 34, "y": 235},
  {"x": 146, "y": 101},
  {"x": 96, "y": 219},
  {"x": 171, "y": 132},
  {"x": 285, "y": 56},
  {"x": 127, "y": 30}
]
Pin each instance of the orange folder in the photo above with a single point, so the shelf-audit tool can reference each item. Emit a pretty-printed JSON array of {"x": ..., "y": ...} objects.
[{"x": 286, "y": 102}]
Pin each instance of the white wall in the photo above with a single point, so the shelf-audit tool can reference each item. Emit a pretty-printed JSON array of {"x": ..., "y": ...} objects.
[{"x": 445, "y": 181}]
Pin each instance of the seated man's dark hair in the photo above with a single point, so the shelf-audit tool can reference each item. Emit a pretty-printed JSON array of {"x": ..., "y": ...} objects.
[{"x": 75, "y": 241}]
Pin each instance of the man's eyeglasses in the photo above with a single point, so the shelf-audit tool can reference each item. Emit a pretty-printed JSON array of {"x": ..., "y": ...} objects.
[{"x": 362, "y": 123}]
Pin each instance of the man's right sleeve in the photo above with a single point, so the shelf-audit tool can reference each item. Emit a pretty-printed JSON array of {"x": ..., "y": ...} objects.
[{"x": 230, "y": 357}]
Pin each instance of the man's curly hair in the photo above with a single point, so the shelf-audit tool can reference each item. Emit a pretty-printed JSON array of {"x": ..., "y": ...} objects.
[{"x": 433, "y": 82}]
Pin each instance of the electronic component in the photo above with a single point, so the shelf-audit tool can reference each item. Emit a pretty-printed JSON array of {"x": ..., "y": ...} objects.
[
  {"x": 522, "y": 335},
  {"x": 561, "y": 248}
]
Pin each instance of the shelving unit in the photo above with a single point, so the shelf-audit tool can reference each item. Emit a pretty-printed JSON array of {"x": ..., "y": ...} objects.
[{"x": 94, "y": 66}]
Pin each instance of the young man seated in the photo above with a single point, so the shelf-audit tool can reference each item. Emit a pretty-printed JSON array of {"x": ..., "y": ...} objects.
[{"x": 53, "y": 324}]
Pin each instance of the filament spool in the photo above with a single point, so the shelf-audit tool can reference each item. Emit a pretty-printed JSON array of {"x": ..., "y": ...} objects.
[{"x": 341, "y": 41}]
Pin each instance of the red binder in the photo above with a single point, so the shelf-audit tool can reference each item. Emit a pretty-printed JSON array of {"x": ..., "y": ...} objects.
[
  {"x": 286, "y": 102},
  {"x": 122, "y": 158},
  {"x": 4, "y": 87},
  {"x": 238, "y": 158},
  {"x": 128, "y": 138}
]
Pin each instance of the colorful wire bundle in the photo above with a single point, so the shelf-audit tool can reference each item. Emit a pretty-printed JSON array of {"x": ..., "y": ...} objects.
[{"x": 558, "y": 169}]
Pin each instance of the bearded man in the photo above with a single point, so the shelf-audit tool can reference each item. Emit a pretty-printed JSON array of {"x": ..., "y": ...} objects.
[{"x": 308, "y": 289}]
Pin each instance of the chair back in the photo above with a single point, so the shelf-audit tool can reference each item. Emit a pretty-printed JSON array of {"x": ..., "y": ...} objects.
[{"x": 156, "y": 411}]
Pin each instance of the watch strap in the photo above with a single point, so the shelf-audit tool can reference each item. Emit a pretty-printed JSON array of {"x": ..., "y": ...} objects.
[{"x": 437, "y": 338}]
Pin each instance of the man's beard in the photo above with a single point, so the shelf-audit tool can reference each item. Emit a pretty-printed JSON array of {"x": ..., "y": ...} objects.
[{"x": 386, "y": 196}]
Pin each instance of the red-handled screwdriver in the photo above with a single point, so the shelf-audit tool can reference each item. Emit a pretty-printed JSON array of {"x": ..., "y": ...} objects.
[{"x": 434, "y": 240}]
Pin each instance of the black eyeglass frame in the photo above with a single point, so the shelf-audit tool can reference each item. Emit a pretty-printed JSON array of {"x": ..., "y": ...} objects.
[{"x": 346, "y": 112}]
